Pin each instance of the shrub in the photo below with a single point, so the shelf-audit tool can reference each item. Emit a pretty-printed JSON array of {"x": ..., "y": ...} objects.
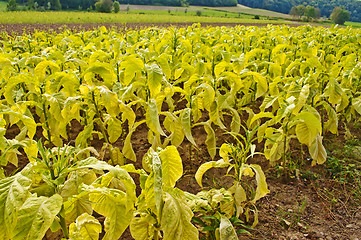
[
  {"x": 104, "y": 6},
  {"x": 31, "y": 5},
  {"x": 340, "y": 15},
  {"x": 12, "y": 5},
  {"x": 116, "y": 6},
  {"x": 199, "y": 12}
]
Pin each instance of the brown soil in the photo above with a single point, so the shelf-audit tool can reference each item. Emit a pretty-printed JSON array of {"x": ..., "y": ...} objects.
[{"x": 330, "y": 210}]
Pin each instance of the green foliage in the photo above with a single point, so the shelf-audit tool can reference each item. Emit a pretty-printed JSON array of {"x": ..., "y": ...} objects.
[
  {"x": 340, "y": 15},
  {"x": 12, "y": 5},
  {"x": 116, "y": 6},
  {"x": 104, "y": 6},
  {"x": 31, "y": 4},
  {"x": 325, "y": 7}
]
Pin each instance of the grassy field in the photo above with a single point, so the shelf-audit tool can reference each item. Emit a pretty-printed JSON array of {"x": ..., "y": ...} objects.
[
  {"x": 353, "y": 24},
  {"x": 122, "y": 17}
]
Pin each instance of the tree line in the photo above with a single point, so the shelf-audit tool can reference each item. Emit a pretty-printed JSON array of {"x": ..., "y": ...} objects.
[
  {"x": 326, "y": 7},
  {"x": 86, "y": 4}
]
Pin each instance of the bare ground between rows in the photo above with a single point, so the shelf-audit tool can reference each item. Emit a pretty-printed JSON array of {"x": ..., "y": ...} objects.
[{"x": 19, "y": 28}]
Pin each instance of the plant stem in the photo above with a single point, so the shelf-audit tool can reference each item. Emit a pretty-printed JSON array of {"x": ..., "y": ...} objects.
[
  {"x": 63, "y": 223},
  {"x": 102, "y": 128},
  {"x": 46, "y": 118}
]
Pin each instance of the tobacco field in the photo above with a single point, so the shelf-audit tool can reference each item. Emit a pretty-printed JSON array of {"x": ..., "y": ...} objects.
[{"x": 100, "y": 129}]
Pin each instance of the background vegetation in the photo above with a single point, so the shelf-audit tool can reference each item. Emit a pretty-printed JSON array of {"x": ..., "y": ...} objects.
[{"x": 326, "y": 7}]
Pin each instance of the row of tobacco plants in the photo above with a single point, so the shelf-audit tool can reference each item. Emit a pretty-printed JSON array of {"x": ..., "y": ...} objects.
[{"x": 271, "y": 89}]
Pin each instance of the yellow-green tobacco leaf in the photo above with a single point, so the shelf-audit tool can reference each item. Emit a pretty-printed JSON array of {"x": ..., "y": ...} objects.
[
  {"x": 163, "y": 61},
  {"x": 13, "y": 193},
  {"x": 128, "y": 148},
  {"x": 262, "y": 188},
  {"x": 158, "y": 179},
  {"x": 172, "y": 168},
  {"x": 128, "y": 151},
  {"x": 77, "y": 205},
  {"x": 308, "y": 128},
  {"x": 11, "y": 157},
  {"x": 142, "y": 226},
  {"x": 334, "y": 91},
  {"x": 86, "y": 227},
  {"x": 128, "y": 183},
  {"x": 31, "y": 150},
  {"x": 12, "y": 84},
  {"x": 226, "y": 229},
  {"x": 110, "y": 100},
  {"x": 317, "y": 151},
  {"x": 104, "y": 70},
  {"x": 74, "y": 181},
  {"x": 214, "y": 115},
  {"x": 152, "y": 118},
  {"x": 356, "y": 104},
  {"x": 259, "y": 116},
  {"x": 239, "y": 197},
  {"x": 154, "y": 79},
  {"x": 176, "y": 217},
  {"x": 224, "y": 151},
  {"x": 302, "y": 98},
  {"x": 206, "y": 166},
  {"x": 236, "y": 120},
  {"x": 127, "y": 114},
  {"x": 114, "y": 129},
  {"x": 36, "y": 216},
  {"x": 221, "y": 67},
  {"x": 262, "y": 85},
  {"x": 332, "y": 122},
  {"x": 185, "y": 117},
  {"x": 173, "y": 125},
  {"x": 91, "y": 162},
  {"x": 40, "y": 69},
  {"x": 117, "y": 155},
  {"x": 71, "y": 109},
  {"x": 211, "y": 138},
  {"x": 208, "y": 96},
  {"x": 83, "y": 136},
  {"x": 132, "y": 65},
  {"x": 111, "y": 203}
]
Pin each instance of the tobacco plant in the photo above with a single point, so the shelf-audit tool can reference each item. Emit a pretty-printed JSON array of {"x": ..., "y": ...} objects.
[{"x": 57, "y": 188}]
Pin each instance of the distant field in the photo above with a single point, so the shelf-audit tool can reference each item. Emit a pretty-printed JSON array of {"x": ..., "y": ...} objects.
[
  {"x": 122, "y": 17},
  {"x": 254, "y": 11},
  {"x": 245, "y": 12},
  {"x": 353, "y": 24}
]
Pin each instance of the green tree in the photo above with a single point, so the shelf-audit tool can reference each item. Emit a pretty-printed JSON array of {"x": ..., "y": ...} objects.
[
  {"x": 116, "y": 6},
  {"x": 310, "y": 12},
  {"x": 31, "y": 5},
  {"x": 298, "y": 11},
  {"x": 12, "y": 5},
  {"x": 104, "y": 6},
  {"x": 55, "y": 5},
  {"x": 340, "y": 15}
]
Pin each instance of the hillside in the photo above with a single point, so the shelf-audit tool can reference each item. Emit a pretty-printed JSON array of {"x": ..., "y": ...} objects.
[{"x": 326, "y": 7}]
